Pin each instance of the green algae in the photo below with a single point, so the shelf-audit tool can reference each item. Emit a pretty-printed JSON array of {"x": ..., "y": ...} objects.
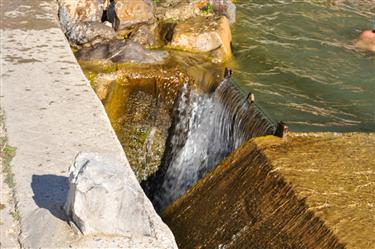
[
  {"x": 7, "y": 153},
  {"x": 16, "y": 215}
]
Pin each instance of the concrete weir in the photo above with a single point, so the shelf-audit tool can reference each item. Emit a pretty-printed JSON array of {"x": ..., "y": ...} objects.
[
  {"x": 313, "y": 190},
  {"x": 52, "y": 113}
]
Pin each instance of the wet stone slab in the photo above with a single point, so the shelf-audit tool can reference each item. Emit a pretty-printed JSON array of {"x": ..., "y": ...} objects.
[
  {"x": 313, "y": 190},
  {"x": 336, "y": 175}
]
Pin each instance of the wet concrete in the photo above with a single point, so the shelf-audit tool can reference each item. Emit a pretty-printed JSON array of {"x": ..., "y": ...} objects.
[{"x": 336, "y": 174}]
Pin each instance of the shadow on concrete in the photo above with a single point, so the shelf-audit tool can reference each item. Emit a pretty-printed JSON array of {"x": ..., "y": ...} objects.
[{"x": 50, "y": 192}]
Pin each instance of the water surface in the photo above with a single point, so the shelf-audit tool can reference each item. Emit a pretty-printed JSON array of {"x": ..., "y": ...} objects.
[{"x": 299, "y": 60}]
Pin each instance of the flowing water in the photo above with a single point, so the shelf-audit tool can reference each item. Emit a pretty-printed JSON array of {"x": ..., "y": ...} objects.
[
  {"x": 206, "y": 128},
  {"x": 299, "y": 60}
]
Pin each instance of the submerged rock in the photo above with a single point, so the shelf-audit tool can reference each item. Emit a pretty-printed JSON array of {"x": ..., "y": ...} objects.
[
  {"x": 204, "y": 35},
  {"x": 121, "y": 51},
  {"x": 81, "y": 21}
]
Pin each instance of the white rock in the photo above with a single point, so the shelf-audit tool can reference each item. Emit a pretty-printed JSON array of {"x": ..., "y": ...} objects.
[
  {"x": 102, "y": 198},
  {"x": 108, "y": 24}
]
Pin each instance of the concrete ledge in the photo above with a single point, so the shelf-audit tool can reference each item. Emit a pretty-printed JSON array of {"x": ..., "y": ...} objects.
[{"x": 52, "y": 114}]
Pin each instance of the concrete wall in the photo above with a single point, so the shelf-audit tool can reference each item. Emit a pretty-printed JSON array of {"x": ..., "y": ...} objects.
[{"x": 52, "y": 114}]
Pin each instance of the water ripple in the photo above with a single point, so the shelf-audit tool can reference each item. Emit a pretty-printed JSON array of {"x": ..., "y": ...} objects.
[{"x": 299, "y": 58}]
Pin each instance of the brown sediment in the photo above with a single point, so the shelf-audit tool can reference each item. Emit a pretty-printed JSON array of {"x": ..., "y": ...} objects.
[{"x": 272, "y": 193}]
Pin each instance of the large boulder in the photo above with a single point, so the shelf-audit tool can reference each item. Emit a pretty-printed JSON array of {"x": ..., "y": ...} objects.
[
  {"x": 105, "y": 201},
  {"x": 81, "y": 21},
  {"x": 132, "y": 12},
  {"x": 102, "y": 198},
  {"x": 122, "y": 51},
  {"x": 204, "y": 35}
]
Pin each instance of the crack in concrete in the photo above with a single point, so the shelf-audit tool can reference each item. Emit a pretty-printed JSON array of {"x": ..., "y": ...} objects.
[{"x": 7, "y": 173}]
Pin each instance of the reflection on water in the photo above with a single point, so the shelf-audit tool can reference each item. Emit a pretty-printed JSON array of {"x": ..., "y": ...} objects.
[{"x": 297, "y": 56}]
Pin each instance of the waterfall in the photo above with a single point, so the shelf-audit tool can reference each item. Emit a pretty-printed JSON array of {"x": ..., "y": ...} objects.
[{"x": 205, "y": 129}]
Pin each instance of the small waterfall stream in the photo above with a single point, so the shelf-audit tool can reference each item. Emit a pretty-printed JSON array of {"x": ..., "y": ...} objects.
[{"x": 205, "y": 129}]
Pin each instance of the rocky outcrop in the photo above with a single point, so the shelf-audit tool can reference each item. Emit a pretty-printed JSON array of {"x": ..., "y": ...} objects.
[
  {"x": 201, "y": 26},
  {"x": 105, "y": 199},
  {"x": 81, "y": 21},
  {"x": 204, "y": 35},
  {"x": 102, "y": 199},
  {"x": 122, "y": 51}
]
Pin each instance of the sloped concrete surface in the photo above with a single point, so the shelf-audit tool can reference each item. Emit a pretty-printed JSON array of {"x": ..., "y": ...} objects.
[
  {"x": 311, "y": 190},
  {"x": 52, "y": 114}
]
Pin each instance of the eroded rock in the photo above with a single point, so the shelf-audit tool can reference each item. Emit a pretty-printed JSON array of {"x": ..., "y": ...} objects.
[
  {"x": 204, "y": 35},
  {"x": 120, "y": 51},
  {"x": 102, "y": 198}
]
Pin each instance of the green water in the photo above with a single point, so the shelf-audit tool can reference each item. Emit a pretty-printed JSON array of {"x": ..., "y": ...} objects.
[{"x": 299, "y": 60}]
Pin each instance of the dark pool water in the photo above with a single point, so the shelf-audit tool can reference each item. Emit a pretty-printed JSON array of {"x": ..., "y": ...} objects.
[{"x": 299, "y": 60}]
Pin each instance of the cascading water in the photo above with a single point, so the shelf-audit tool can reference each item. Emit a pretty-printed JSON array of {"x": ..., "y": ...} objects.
[{"x": 205, "y": 129}]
